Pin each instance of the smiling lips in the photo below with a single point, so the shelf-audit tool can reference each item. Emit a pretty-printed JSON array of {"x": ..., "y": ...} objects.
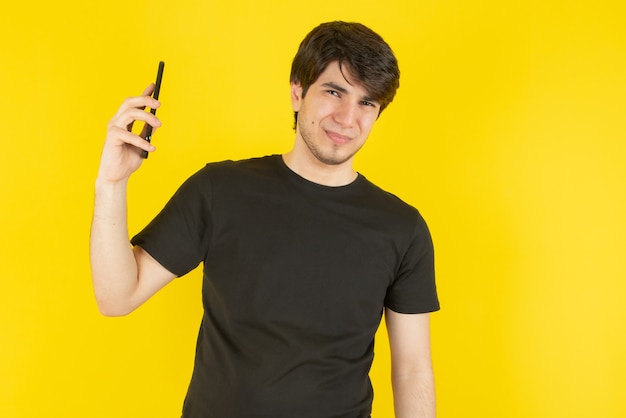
[{"x": 337, "y": 138}]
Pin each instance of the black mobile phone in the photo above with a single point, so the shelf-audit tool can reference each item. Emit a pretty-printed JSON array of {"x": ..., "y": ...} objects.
[{"x": 155, "y": 94}]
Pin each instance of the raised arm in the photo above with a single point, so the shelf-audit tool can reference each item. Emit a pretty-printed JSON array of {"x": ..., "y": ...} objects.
[
  {"x": 123, "y": 277},
  {"x": 411, "y": 364}
]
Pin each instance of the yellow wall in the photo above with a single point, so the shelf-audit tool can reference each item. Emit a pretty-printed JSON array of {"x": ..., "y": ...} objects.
[{"x": 508, "y": 132}]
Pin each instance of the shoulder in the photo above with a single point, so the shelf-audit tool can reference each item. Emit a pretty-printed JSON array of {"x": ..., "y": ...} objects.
[
  {"x": 232, "y": 171},
  {"x": 246, "y": 168},
  {"x": 396, "y": 213},
  {"x": 251, "y": 164},
  {"x": 387, "y": 201}
]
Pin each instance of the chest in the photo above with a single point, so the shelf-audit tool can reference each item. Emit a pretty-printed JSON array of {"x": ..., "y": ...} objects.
[{"x": 285, "y": 257}]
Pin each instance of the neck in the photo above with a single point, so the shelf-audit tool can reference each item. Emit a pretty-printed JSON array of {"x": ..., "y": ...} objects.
[{"x": 318, "y": 172}]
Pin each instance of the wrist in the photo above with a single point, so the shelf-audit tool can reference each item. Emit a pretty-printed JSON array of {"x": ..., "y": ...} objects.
[{"x": 105, "y": 185}]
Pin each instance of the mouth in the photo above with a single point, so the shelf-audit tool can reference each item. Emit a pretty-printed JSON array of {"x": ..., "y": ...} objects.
[{"x": 337, "y": 138}]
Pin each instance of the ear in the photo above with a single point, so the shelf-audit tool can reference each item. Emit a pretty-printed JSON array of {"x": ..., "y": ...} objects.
[{"x": 296, "y": 96}]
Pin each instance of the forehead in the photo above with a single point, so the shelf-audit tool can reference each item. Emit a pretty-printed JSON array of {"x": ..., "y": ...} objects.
[{"x": 341, "y": 75}]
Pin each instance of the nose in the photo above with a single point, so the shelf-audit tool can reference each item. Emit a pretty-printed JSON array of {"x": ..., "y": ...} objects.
[{"x": 345, "y": 114}]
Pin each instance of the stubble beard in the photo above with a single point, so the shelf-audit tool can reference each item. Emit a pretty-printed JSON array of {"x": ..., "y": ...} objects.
[{"x": 332, "y": 157}]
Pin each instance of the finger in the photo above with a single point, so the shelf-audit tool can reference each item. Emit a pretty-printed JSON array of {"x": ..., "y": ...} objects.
[
  {"x": 132, "y": 115},
  {"x": 145, "y": 129},
  {"x": 147, "y": 118},
  {"x": 131, "y": 104},
  {"x": 148, "y": 90},
  {"x": 128, "y": 118},
  {"x": 125, "y": 137},
  {"x": 139, "y": 102}
]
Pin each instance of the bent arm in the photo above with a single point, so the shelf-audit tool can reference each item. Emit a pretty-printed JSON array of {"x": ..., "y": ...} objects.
[
  {"x": 123, "y": 278},
  {"x": 411, "y": 364}
]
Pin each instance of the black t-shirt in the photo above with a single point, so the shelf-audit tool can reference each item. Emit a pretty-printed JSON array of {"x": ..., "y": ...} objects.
[{"x": 296, "y": 276}]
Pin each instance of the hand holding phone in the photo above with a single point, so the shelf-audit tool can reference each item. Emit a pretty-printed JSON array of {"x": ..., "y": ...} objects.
[{"x": 155, "y": 94}]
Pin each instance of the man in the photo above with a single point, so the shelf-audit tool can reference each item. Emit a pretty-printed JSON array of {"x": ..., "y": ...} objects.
[{"x": 302, "y": 255}]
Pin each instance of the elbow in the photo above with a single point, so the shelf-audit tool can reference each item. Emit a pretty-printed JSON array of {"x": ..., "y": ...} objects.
[
  {"x": 109, "y": 309},
  {"x": 113, "y": 303}
]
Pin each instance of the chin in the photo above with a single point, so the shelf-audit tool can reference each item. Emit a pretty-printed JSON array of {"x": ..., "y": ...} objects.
[{"x": 333, "y": 159}]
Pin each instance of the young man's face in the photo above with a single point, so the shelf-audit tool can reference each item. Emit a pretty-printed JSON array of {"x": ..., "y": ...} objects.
[{"x": 335, "y": 117}]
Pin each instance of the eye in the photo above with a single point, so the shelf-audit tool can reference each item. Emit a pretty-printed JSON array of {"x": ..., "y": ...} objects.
[
  {"x": 333, "y": 93},
  {"x": 367, "y": 103}
]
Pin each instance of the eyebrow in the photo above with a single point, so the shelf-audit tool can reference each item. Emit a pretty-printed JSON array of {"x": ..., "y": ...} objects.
[{"x": 340, "y": 89}]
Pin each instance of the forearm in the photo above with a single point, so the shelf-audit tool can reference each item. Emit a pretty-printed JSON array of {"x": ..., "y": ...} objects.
[
  {"x": 414, "y": 394},
  {"x": 113, "y": 265}
]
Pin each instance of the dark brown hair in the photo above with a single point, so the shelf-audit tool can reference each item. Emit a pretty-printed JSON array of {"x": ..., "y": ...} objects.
[{"x": 355, "y": 47}]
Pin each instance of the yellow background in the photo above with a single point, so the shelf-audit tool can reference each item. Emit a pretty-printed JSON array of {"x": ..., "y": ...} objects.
[{"x": 508, "y": 133}]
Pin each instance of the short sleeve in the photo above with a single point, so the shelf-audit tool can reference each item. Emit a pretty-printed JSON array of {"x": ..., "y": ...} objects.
[
  {"x": 178, "y": 237},
  {"x": 413, "y": 289}
]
